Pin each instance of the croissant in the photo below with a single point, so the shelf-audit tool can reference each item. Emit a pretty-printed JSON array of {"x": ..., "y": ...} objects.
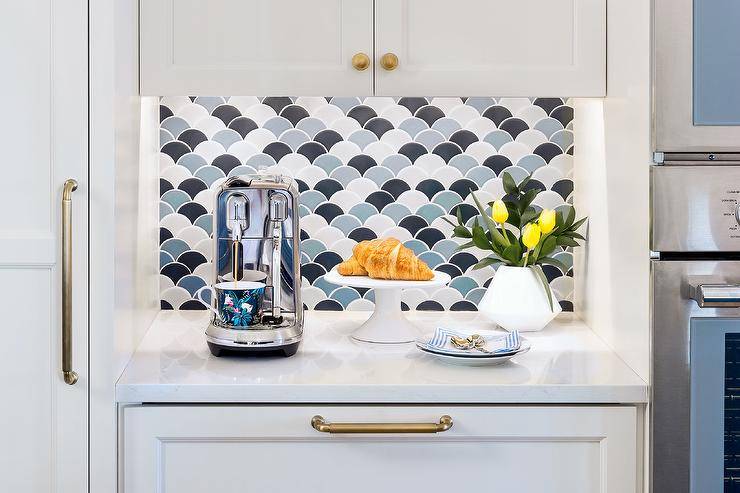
[
  {"x": 351, "y": 267},
  {"x": 389, "y": 259},
  {"x": 363, "y": 249}
]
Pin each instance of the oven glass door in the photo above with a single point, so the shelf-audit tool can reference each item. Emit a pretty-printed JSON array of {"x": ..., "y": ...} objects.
[
  {"x": 715, "y": 404},
  {"x": 697, "y": 72},
  {"x": 716, "y": 62}
]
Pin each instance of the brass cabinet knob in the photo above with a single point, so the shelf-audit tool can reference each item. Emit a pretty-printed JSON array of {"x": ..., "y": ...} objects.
[
  {"x": 360, "y": 62},
  {"x": 389, "y": 61}
]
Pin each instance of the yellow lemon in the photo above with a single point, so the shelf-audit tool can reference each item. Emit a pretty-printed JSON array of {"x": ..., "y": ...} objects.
[
  {"x": 531, "y": 235},
  {"x": 546, "y": 221},
  {"x": 499, "y": 212}
]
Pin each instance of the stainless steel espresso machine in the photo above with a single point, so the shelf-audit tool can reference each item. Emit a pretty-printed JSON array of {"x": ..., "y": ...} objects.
[{"x": 256, "y": 238}]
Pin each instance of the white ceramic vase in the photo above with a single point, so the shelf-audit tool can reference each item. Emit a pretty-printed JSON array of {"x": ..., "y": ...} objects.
[{"x": 517, "y": 300}]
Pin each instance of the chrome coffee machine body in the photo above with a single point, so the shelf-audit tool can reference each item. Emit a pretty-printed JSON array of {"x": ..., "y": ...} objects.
[{"x": 256, "y": 244}]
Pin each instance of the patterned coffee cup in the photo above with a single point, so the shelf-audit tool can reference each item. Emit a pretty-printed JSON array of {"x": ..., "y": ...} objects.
[{"x": 238, "y": 304}]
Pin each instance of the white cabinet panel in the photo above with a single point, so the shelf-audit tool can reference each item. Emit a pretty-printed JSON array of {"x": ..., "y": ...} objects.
[
  {"x": 254, "y": 449},
  {"x": 43, "y": 421},
  {"x": 476, "y": 47},
  {"x": 280, "y": 47}
]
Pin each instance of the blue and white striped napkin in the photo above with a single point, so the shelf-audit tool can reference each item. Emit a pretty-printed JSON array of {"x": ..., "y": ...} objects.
[{"x": 496, "y": 345}]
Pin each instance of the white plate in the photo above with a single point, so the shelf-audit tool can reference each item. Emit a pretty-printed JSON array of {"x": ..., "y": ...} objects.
[
  {"x": 475, "y": 361},
  {"x": 487, "y": 334},
  {"x": 334, "y": 277}
]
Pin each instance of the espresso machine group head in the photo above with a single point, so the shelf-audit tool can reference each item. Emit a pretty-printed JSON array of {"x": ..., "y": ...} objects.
[{"x": 256, "y": 237}]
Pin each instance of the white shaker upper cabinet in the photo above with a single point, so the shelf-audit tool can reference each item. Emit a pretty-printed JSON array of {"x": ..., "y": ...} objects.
[
  {"x": 290, "y": 47},
  {"x": 483, "y": 47}
]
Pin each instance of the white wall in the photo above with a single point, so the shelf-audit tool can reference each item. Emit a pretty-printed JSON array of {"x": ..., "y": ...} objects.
[
  {"x": 123, "y": 219},
  {"x": 612, "y": 159}
]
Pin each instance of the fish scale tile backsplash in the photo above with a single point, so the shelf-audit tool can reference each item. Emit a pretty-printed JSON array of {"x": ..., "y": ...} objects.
[{"x": 366, "y": 168}]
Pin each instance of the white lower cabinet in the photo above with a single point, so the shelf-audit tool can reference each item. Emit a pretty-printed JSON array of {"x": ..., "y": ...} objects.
[{"x": 234, "y": 448}]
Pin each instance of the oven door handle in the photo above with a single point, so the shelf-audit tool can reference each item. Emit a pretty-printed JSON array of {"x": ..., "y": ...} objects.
[{"x": 717, "y": 295}]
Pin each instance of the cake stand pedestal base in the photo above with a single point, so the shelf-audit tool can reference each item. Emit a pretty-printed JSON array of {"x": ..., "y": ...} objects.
[{"x": 387, "y": 324}]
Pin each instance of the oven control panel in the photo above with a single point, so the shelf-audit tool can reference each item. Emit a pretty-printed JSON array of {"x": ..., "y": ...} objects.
[{"x": 695, "y": 208}]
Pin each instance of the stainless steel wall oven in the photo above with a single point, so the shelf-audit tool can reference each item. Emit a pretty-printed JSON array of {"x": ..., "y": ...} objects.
[{"x": 695, "y": 425}]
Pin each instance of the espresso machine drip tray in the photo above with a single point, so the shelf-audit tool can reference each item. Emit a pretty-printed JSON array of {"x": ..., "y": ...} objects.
[{"x": 256, "y": 301}]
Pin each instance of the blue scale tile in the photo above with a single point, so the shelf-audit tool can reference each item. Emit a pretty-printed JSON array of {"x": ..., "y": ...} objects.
[
  {"x": 463, "y": 162},
  {"x": 164, "y": 137},
  {"x": 446, "y": 248},
  {"x": 325, "y": 285},
  {"x": 328, "y": 163},
  {"x": 447, "y": 199},
  {"x": 312, "y": 126},
  {"x": 346, "y": 223},
  {"x": 432, "y": 259},
  {"x": 430, "y": 212},
  {"x": 164, "y": 258},
  {"x": 165, "y": 209},
  {"x": 345, "y": 175},
  {"x": 175, "y": 125},
  {"x": 175, "y": 198},
  {"x": 345, "y": 296},
  {"x": 497, "y": 138},
  {"x": 413, "y": 126},
  {"x": 312, "y": 247},
  {"x": 396, "y": 162},
  {"x": 363, "y": 211},
  {"x": 463, "y": 284},
  {"x": 379, "y": 175},
  {"x": 205, "y": 222},
  {"x": 226, "y": 137},
  {"x": 480, "y": 104},
  {"x": 191, "y": 283},
  {"x": 396, "y": 212},
  {"x": 312, "y": 198}
]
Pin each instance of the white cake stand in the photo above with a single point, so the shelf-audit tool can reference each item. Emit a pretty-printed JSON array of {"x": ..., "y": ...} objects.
[{"x": 387, "y": 324}]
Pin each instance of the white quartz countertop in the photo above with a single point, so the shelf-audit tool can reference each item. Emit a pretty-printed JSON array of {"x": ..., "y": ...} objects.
[{"x": 567, "y": 364}]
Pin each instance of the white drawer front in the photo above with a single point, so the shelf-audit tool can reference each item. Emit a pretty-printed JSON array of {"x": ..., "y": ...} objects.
[{"x": 231, "y": 449}]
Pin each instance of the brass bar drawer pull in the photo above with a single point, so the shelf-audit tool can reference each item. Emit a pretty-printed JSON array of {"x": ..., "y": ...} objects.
[
  {"x": 319, "y": 424},
  {"x": 70, "y": 377}
]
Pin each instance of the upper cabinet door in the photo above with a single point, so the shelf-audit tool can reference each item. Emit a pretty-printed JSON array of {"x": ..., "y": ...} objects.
[
  {"x": 697, "y": 76},
  {"x": 491, "y": 47},
  {"x": 259, "y": 47}
]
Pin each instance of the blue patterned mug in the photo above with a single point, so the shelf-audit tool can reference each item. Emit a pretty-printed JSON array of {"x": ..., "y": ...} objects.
[{"x": 238, "y": 303}]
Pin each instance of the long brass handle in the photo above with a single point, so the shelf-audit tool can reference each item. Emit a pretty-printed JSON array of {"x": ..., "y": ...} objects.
[
  {"x": 70, "y": 377},
  {"x": 319, "y": 424}
]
